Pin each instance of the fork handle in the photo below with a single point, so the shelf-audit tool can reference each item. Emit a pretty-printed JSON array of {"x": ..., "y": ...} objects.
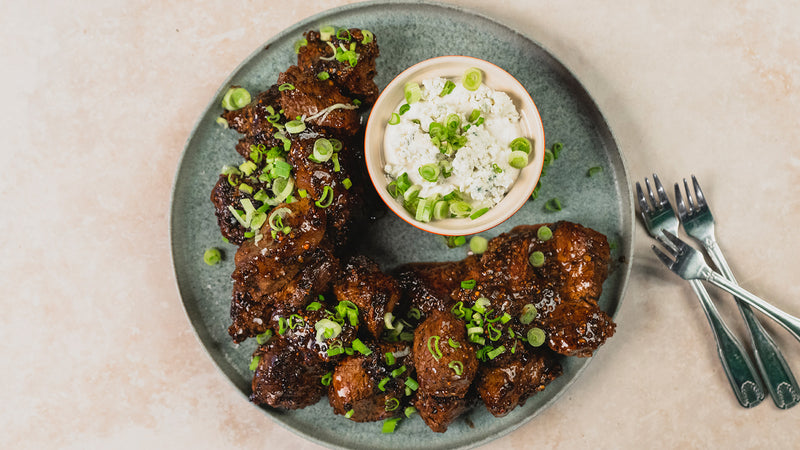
[
  {"x": 777, "y": 375},
  {"x": 786, "y": 320},
  {"x": 738, "y": 368}
]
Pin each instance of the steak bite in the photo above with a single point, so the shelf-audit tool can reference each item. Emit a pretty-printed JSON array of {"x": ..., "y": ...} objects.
[
  {"x": 578, "y": 328},
  {"x": 444, "y": 358},
  {"x": 374, "y": 292},
  {"x": 430, "y": 286},
  {"x": 355, "y": 80},
  {"x": 439, "y": 412},
  {"x": 318, "y": 102},
  {"x": 253, "y": 118},
  {"x": 287, "y": 376},
  {"x": 369, "y": 386}
]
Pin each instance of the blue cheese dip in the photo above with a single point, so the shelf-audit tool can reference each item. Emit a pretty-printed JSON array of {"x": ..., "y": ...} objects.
[{"x": 453, "y": 143}]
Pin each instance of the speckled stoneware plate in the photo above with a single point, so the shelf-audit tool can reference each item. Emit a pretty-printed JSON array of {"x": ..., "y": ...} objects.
[{"x": 407, "y": 33}]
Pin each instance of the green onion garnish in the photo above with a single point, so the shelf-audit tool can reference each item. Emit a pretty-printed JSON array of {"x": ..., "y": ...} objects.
[
  {"x": 496, "y": 352},
  {"x": 412, "y": 384},
  {"x": 295, "y": 320},
  {"x": 235, "y": 98},
  {"x": 390, "y": 360},
  {"x": 460, "y": 209},
  {"x": 368, "y": 37},
  {"x": 529, "y": 313},
  {"x": 594, "y": 171},
  {"x": 302, "y": 193},
  {"x": 295, "y": 126},
  {"x": 404, "y": 108},
  {"x": 429, "y": 172},
  {"x": 536, "y": 337},
  {"x": 448, "y": 88},
  {"x": 455, "y": 241},
  {"x": 248, "y": 167},
  {"x": 493, "y": 333},
  {"x": 457, "y": 366},
  {"x": 497, "y": 169},
  {"x": 414, "y": 313},
  {"x": 544, "y": 233},
  {"x": 478, "y": 213},
  {"x": 536, "y": 259},
  {"x": 323, "y": 75},
  {"x": 254, "y": 362},
  {"x": 548, "y": 158},
  {"x": 434, "y": 348},
  {"x": 264, "y": 337},
  {"x": 335, "y": 160},
  {"x": 349, "y": 310},
  {"x": 520, "y": 144},
  {"x": 468, "y": 284},
  {"x": 282, "y": 326},
  {"x": 554, "y": 204},
  {"x": 441, "y": 210},
  {"x": 360, "y": 347},
  {"x": 212, "y": 256},
  {"x": 326, "y": 379},
  {"x": 314, "y": 306},
  {"x": 505, "y": 318},
  {"x": 347, "y": 183},
  {"x": 518, "y": 160},
  {"x": 285, "y": 87},
  {"x": 478, "y": 245},
  {"x": 472, "y": 79},
  {"x": 335, "y": 350},
  {"x": 453, "y": 343},
  {"x": 327, "y": 329},
  {"x": 412, "y": 92},
  {"x": 394, "y": 119},
  {"x": 390, "y": 424},
  {"x": 326, "y": 199},
  {"x": 222, "y": 122},
  {"x": 349, "y": 414},
  {"x": 424, "y": 211},
  {"x": 280, "y": 169},
  {"x": 326, "y": 32},
  {"x": 473, "y": 116},
  {"x": 399, "y": 371},
  {"x": 299, "y": 44},
  {"x": 323, "y": 150},
  {"x": 452, "y": 122},
  {"x": 409, "y": 411},
  {"x": 557, "y": 147},
  {"x": 382, "y": 384},
  {"x": 343, "y": 34}
]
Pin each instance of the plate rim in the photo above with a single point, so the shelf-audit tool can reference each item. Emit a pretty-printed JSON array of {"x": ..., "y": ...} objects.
[{"x": 627, "y": 223}]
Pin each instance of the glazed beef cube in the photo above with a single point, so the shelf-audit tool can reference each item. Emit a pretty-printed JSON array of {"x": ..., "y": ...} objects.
[
  {"x": 311, "y": 98},
  {"x": 287, "y": 377},
  {"x": 429, "y": 287},
  {"x": 374, "y": 292},
  {"x": 299, "y": 326},
  {"x": 356, "y": 383},
  {"x": 435, "y": 375},
  {"x": 578, "y": 328},
  {"x": 252, "y": 119},
  {"x": 439, "y": 412},
  {"x": 354, "y": 80}
]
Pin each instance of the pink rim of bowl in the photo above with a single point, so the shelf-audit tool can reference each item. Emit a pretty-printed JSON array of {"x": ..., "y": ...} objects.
[{"x": 453, "y": 67}]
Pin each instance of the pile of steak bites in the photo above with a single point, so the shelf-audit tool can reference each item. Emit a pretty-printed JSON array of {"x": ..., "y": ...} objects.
[{"x": 430, "y": 338}]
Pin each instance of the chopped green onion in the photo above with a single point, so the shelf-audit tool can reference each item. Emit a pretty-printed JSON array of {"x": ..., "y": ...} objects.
[
  {"x": 412, "y": 192},
  {"x": 453, "y": 343},
  {"x": 357, "y": 102},
  {"x": 424, "y": 211},
  {"x": 368, "y": 37},
  {"x": 295, "y": 126},
  {"x": 481, "y": 304},
  {"x": 323, "y": 76},
  {"x": 349, "y": 414},
  {"x": 302, "y": 193},
  {"x": 529, "y": 313},
  {"x": 285, "y": 87},
  {"x": 409, "y": 411},
  {"x": 390, "y": 424},
  {"x": 478, "y": 213},
  {"x": 326, "y": 32},
  {"x": 434, "y": 348},
  {"x": 264, "y": 337},
  {"x": 455, "y": 241},
  {"x": 360, "y": 347},
  {"x": 457, "y": 366},
  {"x": 254, "y": 362},
  {"x": 520, "y": 144},
  {"x": 460, "y": 209},
  {"x": 472, "y": 79},
  {"x": 496, "y": 352},
  {"x": 478, "y": 245},
  {"x": 236, "y": 98},
  {"x": 299, "y": 44},
  {"x": 441, "y": 210},
  {"x": 414, "y": 313},
  {"x": 557, "y": 147},
  {"x": 326, "y": 329},
  {"x": 323, "y": 150},
  {"x": 505, "y": 318},
  {"x": 212, "y": 256},
  {"x": 343, "y": 34},
  {"x": 536, "y": 337},
  {"x": 335, "y": 159},
  {"x": 468, "y": 284},
  {"x": 554, "y": 204},
  {"x": 536, "y": 259},
  {"x": 222, "y": 122},
  {"x": 314, "y": 306},
  {"x": 244, "y": 187},
  {"x": 280, "y": 169},
  {"x": 452, "y": 122},
  {"x": 347, "y": 183},
  {"x": 326, "y": 379},
  {"x": 594, "y": 171},
  {"x": 295, "y": 320},
  {"x": 335, "y": 350},
  {"x": 548, "y": 158},
  {"x": 399, "y": 371},
  {"x": 473, "y": 116},
  {"x": 390, "y": 360},
  {"x": 326, "y": 199},
  {"x": 382, "y": 384},
  {"x": 392, "y": 404},
  {"x": 404, "y": 108},
  {"x": 394, "y": 119},
  {"x": 535, "y": 193},
  {"x": 412, "y": 384},
  {"x": 412, "y": 92},
  {"x": 517, "y": 160},
  {"x": 248, "y": 167},
  {"x": 348, "y": 309},
  {"x": 448, "y": 88},
  {"x": 496, "y": 168},
  {"x": 493, "y": 333},
  {"x": 429, "y": 172},
  {"x": 544, "y": 233}
]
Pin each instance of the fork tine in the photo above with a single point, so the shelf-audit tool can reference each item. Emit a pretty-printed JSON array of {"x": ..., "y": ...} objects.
[
  {"x": 669, "y": 246},
  {"x": 664, "y": 258},
  {"x": 662, "y": 195},
  {"x": 643, "y": 206},
  {"x": 688, "y": 194},
  {"x": 679, "y": 244},
  {"x": 701, "y": 199},
  {"x": 650, "y": 194},
  {"x": 679, "y": 204}
]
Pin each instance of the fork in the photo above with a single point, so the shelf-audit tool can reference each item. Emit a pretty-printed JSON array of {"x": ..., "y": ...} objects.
[
  {"x": 660, "y": 218},
  {"x": 699, "y": 223}
]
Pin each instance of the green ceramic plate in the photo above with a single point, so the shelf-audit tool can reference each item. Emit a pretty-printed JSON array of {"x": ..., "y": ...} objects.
[{"x": 407, "y": 33}]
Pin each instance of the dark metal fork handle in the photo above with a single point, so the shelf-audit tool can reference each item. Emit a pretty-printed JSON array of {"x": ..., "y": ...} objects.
[{"x": 738, "y": 368}]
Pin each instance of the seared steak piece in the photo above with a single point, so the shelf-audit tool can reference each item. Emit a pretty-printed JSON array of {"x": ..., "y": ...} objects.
[
  {"x": 504, "y": 385},
  {"x": 444, "y": 368},
  {"x": 578, "y": 328},
  {"x": 439, "y": 412},
  {"x": 226, "y": 194},
  {"x": 252, "y": 119},
  {"x": 357, "y": 379},
  {"x": 354, "y": 80},
  {"x": 429, "y": 286},
  {"x": 374, "y": 292},
  {"x": 299, "y": 326},
  {"x": 311, "y": 96},
  {"x": 287, "y": 376}
]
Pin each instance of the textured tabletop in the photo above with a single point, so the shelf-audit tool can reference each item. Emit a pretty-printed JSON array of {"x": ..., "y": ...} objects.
[{"x": 97, "y": 351}]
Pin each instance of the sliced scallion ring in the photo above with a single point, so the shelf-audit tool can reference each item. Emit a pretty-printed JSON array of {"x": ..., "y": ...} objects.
[
  {"x": 460, "y": 208},
  {"x": 323, "y": 150},
  {"x": 544, "y": 233},
  {"x": 298, "y": 44},
  {"x": 285, "y": 87},
  {"x": 518, "y": 160},
  {"x": 323, "y": 76},
  {"x": 441, "y": 210},
  {"x": 283, "y": 188},
  {"x": 457, "y": 366},
  {"x": 433, "y": 347},
  {"x": 536, "y": 337},
  {"x": 327, "y": 329},
  {"x": 368, "y": 37},
  {"x": 448, "y": 88},
  {"x": 326, "y": 32},
  {"x": 212, "y": 256},
  {"x": 326, "y": 198},
  {"x": 528, "y": 314},
  {"x": 536, "y": 259},
  {"x": 412, "y": 92},
  {"x": 424, "y": 211},
  {"x": 478, "y": 245},
  {"x": 520, "y": 144},
  {"x": 429, "y": 172},
  {"x": 412, "y": 192},
  {"x": 236, "y": 98},
  {"x": 276, "y": 217},
  {"x": 295, "y": 126},
  {"x": 478, "y": 213},
  {"x": 472, "y": 79},
  {"x": 394, "y": 119}
]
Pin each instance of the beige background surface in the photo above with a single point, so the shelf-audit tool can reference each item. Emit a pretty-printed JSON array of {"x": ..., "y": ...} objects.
[{"x": 101, "y": 95}]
